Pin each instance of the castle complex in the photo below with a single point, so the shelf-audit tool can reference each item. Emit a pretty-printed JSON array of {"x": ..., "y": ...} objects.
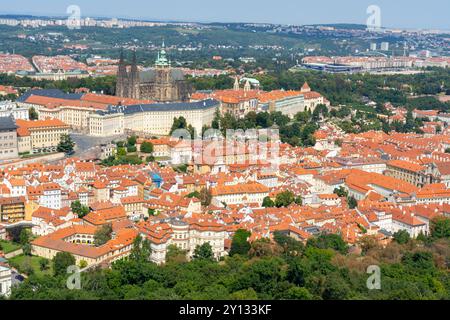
[{"x": 162, "y": 83}]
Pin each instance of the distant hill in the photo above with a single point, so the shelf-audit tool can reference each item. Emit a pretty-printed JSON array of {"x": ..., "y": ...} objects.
[{"x": 353, "y": 26}]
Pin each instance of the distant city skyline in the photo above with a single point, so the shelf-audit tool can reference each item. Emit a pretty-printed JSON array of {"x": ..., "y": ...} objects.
[{"x": 408, "y": 14}]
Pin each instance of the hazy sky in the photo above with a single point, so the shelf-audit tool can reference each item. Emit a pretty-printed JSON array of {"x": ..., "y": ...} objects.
[{"x": 429, "y": 14}]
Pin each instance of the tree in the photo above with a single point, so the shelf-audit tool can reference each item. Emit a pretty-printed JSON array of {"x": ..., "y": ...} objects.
[
  {"x": 338, "y": 142},
  {"x": 264, "y": 248},
  {"x": 298, "y": 270},
  {"x": 321, "y": 110},
  {"x": 239, "y": 243},
  {"x": 291, "y": 247},
  {"x": 121, "y": 152},
  {"x": 66, "y": 144},
  {"x": 27, "y": 268},
  {"x": 83, "y": 264},
  {"x": 131, "y": 141},
  {"x": 175, "y": 255},
  {"x": 297, "y": 293},
  {"x": 205, "y": 197},
  {"x": 141, "y": 250},
  {"x": 335, "y": 288},
  {"x": 203, "y": 251},
  {"x": 284, "y": 199},
  {"x": 245, "y": 294},
  {"x": 401, "y": 236},
  {"x": 367, "y": 243},
  {"x": 43, "y": 264},
  {"x": 341, "y": 192},
  {"x": 352, "y": 202},
  {"x": 440, "y": 228},
  {"x": 194, "y": 194},
  {"x": 103, "y": 234},
  {"x": 61, "y": 262},
  {"x": 419, "y": 260},
  {"x": 329, "y": 241},
  {"x": 26, "y": 248},
  {"x": 302, "y": 117},
  {"x": 79, "y": 209},
  {"x": 180, "y": 123},
  {"x": 216, "y": 121},
  {"x": 33, "y": 115},
  {"x": 268, "y": 203},
  {"x": 410, "y": 123},
  {"x": 146, "y": 147},
  {"x": 131, "y": 149},
  {"x": 25, "y": 236}
]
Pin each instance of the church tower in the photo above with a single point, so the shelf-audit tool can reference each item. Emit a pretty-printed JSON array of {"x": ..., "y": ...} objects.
[
  {"x": 122, "y": 78},
  {"x": 305, "y": 88},
  {"x": 247, "y": 86},
  {"x": 134, "y": 79},
  {"x": 236, "y": 84}
]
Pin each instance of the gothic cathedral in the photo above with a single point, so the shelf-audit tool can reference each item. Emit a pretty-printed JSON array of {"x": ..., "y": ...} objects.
[{"x": 162, "y": 83}]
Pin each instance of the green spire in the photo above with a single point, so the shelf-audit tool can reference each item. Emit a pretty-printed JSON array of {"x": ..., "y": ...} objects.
[{"x": 162, "y": 60}]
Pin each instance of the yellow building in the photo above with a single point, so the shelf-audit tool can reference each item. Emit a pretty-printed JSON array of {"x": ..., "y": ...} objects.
[
  {"x": 76, "y": 117},
  {"x": 42, "y": 135},
  {"x": 12, "y": 209}
]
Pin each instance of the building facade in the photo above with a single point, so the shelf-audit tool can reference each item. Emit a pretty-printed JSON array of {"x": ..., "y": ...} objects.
[
  {"x": 161, "y": 83},
  {"x": 40, "y": 135},
  {"x": 8, "y": 138},
  {"x": 9, "y": 108},
  {"x": 5, "y": 281},
  {"x": 12, "y": 209}
]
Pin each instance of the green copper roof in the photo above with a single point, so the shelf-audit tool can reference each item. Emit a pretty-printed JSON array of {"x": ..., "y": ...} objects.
[{"x": 162, "y": 60}]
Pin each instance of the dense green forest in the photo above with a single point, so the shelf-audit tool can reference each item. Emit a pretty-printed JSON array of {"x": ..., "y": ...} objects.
[{"x": 325, "y": 268}]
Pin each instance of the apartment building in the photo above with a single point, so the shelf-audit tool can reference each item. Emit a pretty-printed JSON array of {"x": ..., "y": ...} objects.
[
  {"x": 40, "y": 135},
  {"x": 12, "y": 209},
  {"x": 239, "y": 194},
  {"x": 408, "y": 171},
  {"x": 8, "y": 138},
  {"x": 185, "y": 234},
  {"x": 47, "y": 195}
]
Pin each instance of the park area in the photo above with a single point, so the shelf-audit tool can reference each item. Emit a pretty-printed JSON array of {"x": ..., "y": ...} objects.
[
  {"x": 31, "y": 265},
  {"x": 8, "y": 246}
]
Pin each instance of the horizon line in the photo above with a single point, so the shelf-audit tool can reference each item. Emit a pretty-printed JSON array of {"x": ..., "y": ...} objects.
[{"x": 159, "y": 20}]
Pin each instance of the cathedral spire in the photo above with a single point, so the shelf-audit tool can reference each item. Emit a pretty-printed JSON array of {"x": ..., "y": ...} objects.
[
  {"x": 162, "y": 60},
  {"x": 236, "y": 84},
  {"x": 247, "y": 86}
]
